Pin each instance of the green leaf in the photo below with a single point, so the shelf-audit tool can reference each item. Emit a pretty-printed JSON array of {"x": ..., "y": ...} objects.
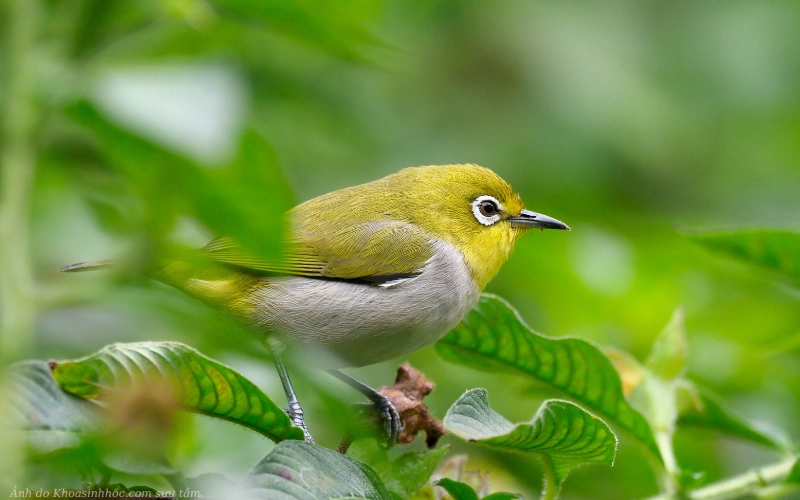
[
  {"x": 200, "y": 384},
  {"x": 130, "y": 463},
  {"x": 794, "y": 474},
  {"x": 670, "y": 350},
  {"x": 775, "y": 250},
  {"x": 62, "y": 428},
  {"x": 334, "y": 27},
  {"x": 410, "y": 471},
  {"x": 457, "y": 490},
  {"x": 38, "y": 403},
  {"x": 494, "y": 337},
  {"x": 463, "y": 491},
  {"x": 699, "y": 408},
  {"x": 296, "y": 470},
  {"x": 404, "y": 474},
  {"x": 52, "y": 419},
  {"x": 244, "y": 200},
  {"x": 251, "y": 192},
  {"x": 655, "y": 396},
  {"x": 562, "y": 433}
]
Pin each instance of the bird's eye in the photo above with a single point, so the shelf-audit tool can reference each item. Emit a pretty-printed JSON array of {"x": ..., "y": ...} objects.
[{"x": 487, "y": 208}]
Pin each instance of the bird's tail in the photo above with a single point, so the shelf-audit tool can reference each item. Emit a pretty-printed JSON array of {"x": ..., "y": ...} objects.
[
  {"x": 219, "y": 286},
  {"x": 88, "y": 266}
]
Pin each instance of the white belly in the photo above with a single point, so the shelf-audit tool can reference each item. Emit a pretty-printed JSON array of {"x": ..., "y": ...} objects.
[{"x": 364, "y": 324}]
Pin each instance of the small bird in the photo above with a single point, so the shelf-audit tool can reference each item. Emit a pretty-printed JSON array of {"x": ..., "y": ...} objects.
[{"x": 372, "y": 272}]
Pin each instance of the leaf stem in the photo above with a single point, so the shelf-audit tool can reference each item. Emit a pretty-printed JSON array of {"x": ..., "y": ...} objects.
[
  {"x": 550, "y": 488},
  {"x": 18, "y": 116},
  {"x": 669, "y": 469},
  {"x": 17, "y": 166},
  {"x": 765, "y": 482}
]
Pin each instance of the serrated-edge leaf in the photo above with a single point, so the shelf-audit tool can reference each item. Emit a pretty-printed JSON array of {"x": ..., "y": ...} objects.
[
  {"x": 200, "y": 384},
  {"x": 561, "y": 432},
  {"x": 777, "y": 250},
  {"x": 37, "y": 403},
  {"x": 296, "y": 470},
  {"x": 494, "y": 337}
]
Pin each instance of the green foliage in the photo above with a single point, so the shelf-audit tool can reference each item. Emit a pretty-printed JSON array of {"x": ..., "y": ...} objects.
[
  {"x": 621, "y": 131},
  {"x": 411, "y": 471},
  {"x": 667, "y": 397},
  {"x": 794, "y": 474},
  {"x": 335, "y": 28},
  {"x": 501, "y": 495},
  {"x": 51, "y": 418},
  {"x": 403, "y": 474},
  {"x": 778, "y": 251},
  {"x": 697, "y": 407},
  {"x": 244, "y": 199},
  {"x": 303, "y": 471},
  {"x": 562, "y": 433},
  {"x": 66, "y": 430},
  {"x": 493, "y": 337},
  {"x": 457, "y": 490},
  {"x": 199, "y": 384},
  {"x": 655, "y": 396},
  {"x": 37, "y": 403},
  {"x": 668, "y": 356},
  {"x": 462, "y": 491}
]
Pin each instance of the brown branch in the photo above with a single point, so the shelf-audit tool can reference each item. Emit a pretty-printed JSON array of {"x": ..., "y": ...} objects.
[{"x": 406, "y": 394}]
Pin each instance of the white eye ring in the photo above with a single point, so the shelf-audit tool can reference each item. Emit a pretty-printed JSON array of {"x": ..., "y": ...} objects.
[{"x": 484, "y": 219}]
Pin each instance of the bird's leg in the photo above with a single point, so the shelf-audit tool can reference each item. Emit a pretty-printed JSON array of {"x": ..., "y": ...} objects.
[
  {"x": 295, "y": 411},
  {"x": 391, "y": 419}
]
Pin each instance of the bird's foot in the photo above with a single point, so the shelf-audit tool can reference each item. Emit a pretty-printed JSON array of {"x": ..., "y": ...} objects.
[
  {"x": 388, "y": 413},
  {"x": 384, "y": 406},
  {"x": 295, "y": 413}
]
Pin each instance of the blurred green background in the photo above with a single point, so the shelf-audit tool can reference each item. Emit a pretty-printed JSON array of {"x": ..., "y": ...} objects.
[{"x": 134, "y": 127}]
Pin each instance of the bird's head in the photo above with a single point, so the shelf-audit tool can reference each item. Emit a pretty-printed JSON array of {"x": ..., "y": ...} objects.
[{"x": 471, "y": 208}]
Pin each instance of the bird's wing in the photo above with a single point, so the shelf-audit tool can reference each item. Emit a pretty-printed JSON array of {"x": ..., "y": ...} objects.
[{"x": 375, "y": 252}]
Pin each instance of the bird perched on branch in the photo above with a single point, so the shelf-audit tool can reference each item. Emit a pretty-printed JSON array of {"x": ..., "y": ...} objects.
[{"x": 373, "y": 271}]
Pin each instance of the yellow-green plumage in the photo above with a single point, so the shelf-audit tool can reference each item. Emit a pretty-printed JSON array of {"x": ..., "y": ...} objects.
[
  {"x": 373, "y": 271},
  {"x": 383, "y": 227}
]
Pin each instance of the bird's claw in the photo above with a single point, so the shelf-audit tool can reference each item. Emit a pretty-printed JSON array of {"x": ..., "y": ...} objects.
[{"x": 391, "y": 419}]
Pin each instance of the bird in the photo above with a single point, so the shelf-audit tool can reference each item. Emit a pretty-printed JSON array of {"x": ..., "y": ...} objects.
[{"x": 372, "y": 271}]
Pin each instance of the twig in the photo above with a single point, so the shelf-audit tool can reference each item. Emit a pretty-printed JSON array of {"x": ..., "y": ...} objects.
[
  {"x": 17, "y": 165},
  {"x": 345, "y": 443},
  {"x": 765, "y": 482}
]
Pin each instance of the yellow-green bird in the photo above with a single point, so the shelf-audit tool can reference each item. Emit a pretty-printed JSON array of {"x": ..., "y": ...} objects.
[{"x": 373, "y": 271}]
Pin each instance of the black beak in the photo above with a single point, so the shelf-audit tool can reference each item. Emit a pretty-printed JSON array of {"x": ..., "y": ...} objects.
[{"x": 527, "y": 219}]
